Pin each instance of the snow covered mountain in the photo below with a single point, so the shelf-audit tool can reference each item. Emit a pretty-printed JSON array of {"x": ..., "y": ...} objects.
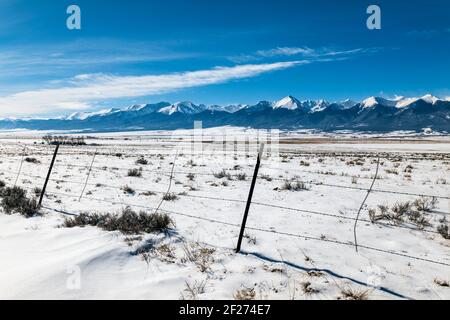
[
  {"x": 399, "y": 102},
  {"x": 185, "y": 107},
  {"x": 373, "y": 113},
  {"x": 291, "y": 103},
  {"x": 230, "y": 108}
]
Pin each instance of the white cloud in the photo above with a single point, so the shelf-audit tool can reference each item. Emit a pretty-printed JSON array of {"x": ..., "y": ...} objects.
[
  {"x": 285, "y": 51},
  {"x": 85, "y": 90},
  {"x": 307, "y": 53}
]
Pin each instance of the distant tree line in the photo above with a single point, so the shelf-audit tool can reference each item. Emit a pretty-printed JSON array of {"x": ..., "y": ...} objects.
[{"x": 64, "y": 140}]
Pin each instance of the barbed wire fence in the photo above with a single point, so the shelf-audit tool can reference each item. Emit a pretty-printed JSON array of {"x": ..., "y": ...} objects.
[{"x": 72, "y": 151}]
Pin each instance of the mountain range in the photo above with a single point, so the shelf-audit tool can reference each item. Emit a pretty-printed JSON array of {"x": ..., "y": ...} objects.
[{"x": 372, "y": 114}]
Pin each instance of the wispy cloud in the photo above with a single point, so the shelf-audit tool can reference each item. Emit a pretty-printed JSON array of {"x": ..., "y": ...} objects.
[
  {"x": 84, "y": 91},
  {"x": 305, "y": 52},
  {"x": 427, "y": 33},
  {"x": 285, "y": 51},
  {"x": 55, "y": 59}
]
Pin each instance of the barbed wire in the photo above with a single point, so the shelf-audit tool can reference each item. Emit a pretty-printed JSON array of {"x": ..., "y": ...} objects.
[
  {"x": 241, "y": 201},
  {"x": 306, "y": 237}
]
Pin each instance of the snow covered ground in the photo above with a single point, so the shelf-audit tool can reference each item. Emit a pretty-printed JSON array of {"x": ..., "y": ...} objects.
[{"x": 298, "y": 244}]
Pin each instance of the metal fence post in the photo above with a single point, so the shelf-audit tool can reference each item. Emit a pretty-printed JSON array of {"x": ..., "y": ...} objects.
[
  {"x": 88, "y": 175},
  {"x": 250, "y": 195},
  {"x": 48, "y": 174}
]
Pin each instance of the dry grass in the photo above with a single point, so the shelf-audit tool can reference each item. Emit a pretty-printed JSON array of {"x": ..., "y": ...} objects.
[
  {"x": 141, "y": 161},
  {"x": 354, "y": 294},
  {"x": 135, "y": 173},
  {"x": 441, "y": 283},
  {"x": 295, "y": 185},
  {"x": 128, "y": 190},
  {"x": 222, "y": 174},
  {"x": 241, "y": 176},
  {"x": 444, "y": 230},
  {"x": 201, "y": 255},
  {"x": 307, "y": 289},
  {"x": 266, "y": 177},
  {"x": 170, "y": 197},
  {"x": 426, "y": 204},
  {"x": 400, "y": 211},
  {"x": 245, "y": 294},
  {"x": 193, "y": 290},
  {"x": 32, "y": 160}
]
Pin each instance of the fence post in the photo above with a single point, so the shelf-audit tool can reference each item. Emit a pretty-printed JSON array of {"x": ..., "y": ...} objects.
[
  {"x": 20, "y": 167},
  {"x": 48, "y": 174},
  {"x": 88, "y": 175},
  {"x": 250, "y": 195}
]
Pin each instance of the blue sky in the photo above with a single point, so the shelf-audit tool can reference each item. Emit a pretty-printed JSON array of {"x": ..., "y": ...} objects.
[{"x": 220, "y": 52}]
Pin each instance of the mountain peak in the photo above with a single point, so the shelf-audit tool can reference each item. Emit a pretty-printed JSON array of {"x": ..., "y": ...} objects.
[
  {"x": 135, "y": 107},
  {"x": 86, "y": 115},
  {"x": 186, "y": 107},
  {"x": 348, "y": 103},
  {"x": 373, "y": 101},
  {"x": 288, "y": 102},
  {"x": 412, "y": 114},
  {"x": 430, "y": 98}
]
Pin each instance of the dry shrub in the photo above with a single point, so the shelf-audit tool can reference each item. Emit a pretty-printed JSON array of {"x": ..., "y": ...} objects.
[
  {"x": 32, "y": 160},
  {"x": 426, "y": 204},
  {"x": 400, "y": 211},
  {"x": 222, "y": 174},
  {"x": 245, "y": 294},
  {"x": 15, "y": 200},
  {"x": 441, "y": 283},
  {"x": 354, "y": 294},
  {"x": 444, "y": 231},
  {"x": 128, "y": 190},
  {"x": 135, "y": 173},
  {"x": 127, "y": 222},
  {"x": 200, "y": 255},
  {"x": 193, "y": 290},
  {"x": 241, "y": 176},
  {"x": 170, "y": 197},
  {"x": 295, "y": 185},
  {"x": 307, "y": 289},
  {"x": 304, "y": 163}
]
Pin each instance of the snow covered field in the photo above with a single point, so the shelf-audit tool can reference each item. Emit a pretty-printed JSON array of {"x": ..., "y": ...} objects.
[{"x": 298, "y": 244}]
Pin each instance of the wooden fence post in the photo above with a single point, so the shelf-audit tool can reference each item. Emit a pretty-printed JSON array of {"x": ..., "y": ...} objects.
[
  {"x": 48, "y": 174},
  {"x": 250, "y": 195}
]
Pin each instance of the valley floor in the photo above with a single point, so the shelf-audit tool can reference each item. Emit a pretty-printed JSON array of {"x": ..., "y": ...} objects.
[{"x": 299, "y": 243}]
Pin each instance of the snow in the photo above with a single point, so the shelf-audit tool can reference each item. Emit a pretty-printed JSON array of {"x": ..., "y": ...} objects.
[
  {"x": 348, "y": 103},
  {"x": 230, "y": 108},
  {"x": 430, "y": 98},
  {"x": 39, "y": 259},
  {"x": 291, "y": 103},
  {"x": 372, "y": 101},
  {"x": 186, "y": 107},
  {"x": 86, "y": 115},
  {"x": 399, "y": 101},
  {"x": 135, "y": 107},
  {"x": 288, "y": 102},
  {"x": 403, "y": 102}
]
